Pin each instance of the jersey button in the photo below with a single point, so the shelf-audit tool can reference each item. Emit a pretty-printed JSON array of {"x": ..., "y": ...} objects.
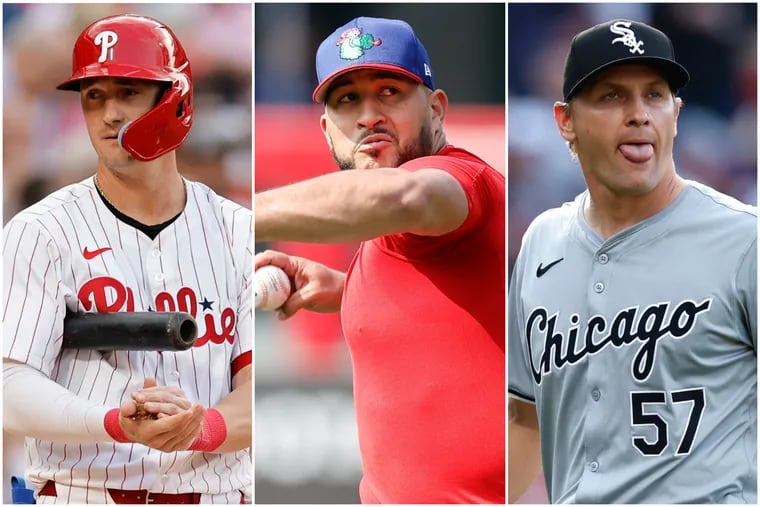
[
  {"x": 595, "y": 394},
  {"x": 164, "y": 478},
  {"x": 603, "y": 259},
  {"x": 156, "y": 253},
  {"x": 594, "y": 466},
  {"x": 175, "y": 375},
  {"x": 598, "y": 287},
  {"x": 159, "y": 277}
]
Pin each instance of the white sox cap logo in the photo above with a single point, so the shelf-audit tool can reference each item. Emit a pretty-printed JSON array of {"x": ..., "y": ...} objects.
[
  {"x": 106, "y": 40},
  {"x": 628, "y": 38}
]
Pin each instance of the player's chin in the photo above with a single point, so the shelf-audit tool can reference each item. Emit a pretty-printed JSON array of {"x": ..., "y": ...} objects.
[
  {"x": 635, "y": 185},
  {"x": 117, "y": 159},
  {"x": 372, "y": 160}
]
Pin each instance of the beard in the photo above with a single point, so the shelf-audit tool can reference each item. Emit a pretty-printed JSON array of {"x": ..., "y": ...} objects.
[{"x": 422, "y": 146}]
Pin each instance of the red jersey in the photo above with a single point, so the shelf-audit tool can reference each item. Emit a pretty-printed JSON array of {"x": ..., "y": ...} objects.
[{"x": 424, "y": 321}]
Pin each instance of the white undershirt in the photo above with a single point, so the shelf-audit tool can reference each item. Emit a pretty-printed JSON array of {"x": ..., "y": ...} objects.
[{"x": 37, "y": 407}]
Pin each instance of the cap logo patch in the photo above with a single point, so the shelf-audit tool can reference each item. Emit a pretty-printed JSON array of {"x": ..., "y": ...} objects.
[
  {"x": 353, "y": 43},
  {"x": 627, "y": 37},
  {"x": 106, "y": 40}
]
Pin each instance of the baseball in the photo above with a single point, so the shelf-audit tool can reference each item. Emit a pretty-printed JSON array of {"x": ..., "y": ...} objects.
[{"x": 271, "y": 287}]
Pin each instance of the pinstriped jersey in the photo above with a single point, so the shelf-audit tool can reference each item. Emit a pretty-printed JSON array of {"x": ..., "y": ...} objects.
[
  {"x": 69, "y": 252},
  {"x": 640, "y": 352}
]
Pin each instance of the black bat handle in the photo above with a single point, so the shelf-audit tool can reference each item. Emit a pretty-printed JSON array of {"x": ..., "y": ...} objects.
[{"x": 129, "y": 331}]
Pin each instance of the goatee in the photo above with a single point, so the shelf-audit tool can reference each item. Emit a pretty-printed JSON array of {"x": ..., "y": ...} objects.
[{"x": 421, "y": 147}]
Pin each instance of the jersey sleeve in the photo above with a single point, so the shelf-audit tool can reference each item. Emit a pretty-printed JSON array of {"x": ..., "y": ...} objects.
[
  {"x": 746, "y": 283},
  {"x": 484, "y": 188},
  {"x": 33, "y": 297},
  {"x": 520, "y": 381}
]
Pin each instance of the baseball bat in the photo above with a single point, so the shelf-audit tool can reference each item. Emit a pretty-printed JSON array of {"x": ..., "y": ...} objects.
[{"x": 129, "y": 331}]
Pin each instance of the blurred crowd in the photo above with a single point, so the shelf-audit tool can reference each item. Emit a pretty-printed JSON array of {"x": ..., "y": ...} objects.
[
  {"x": 717, "y": 128},
  {"x": 44, "y": 136}
]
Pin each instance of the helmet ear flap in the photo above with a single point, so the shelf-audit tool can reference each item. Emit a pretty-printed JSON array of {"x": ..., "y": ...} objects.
[
  {"x": 165, "y": 87},
  {"x": 150, "y": 136}
]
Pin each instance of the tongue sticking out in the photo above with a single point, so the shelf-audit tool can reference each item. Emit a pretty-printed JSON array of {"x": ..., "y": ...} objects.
[{"x": 637, "y": 152}]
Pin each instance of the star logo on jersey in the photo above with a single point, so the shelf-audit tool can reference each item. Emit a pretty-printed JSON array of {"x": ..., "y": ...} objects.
[
  {"x": 206, "y": 304},
  {"x": 91, "y": 254},
  {"x": 541, "y": 271}
]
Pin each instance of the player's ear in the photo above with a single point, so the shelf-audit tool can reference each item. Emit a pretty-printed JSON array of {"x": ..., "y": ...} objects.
[
  {"x": 323, "y": 126},
  {"x": 677, "y": 109},
  {"x": 439, "y": 104},
  {"x": 564, "y": 121}
]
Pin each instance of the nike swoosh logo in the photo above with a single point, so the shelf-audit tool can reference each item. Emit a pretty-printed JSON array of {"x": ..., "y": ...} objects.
[
  {"x": 91, "y": 254},
  {"x": 541, "y": 271}
]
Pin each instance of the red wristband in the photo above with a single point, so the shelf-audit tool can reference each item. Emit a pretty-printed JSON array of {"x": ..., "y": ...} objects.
[
  {"x": 113, "y": 427},
  {"x": 213, "y": 432}
]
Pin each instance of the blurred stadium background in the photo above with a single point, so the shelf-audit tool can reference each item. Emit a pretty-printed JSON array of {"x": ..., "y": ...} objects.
[
  {"x": 45, "y": 142},
  {"x": 305, "y": 430},
  {"x": 717, "y": 129}
]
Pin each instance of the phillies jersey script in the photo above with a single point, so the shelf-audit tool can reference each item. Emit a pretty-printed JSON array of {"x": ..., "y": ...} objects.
[
  {"x": 70, "y": 253},
  {"x": 640, "y": 352}
]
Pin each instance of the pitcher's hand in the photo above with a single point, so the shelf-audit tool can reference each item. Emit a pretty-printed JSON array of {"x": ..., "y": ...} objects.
[{"x": 315, "y": 286}]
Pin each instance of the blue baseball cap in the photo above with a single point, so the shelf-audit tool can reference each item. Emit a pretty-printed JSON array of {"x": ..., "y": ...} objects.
[{"x": 371, "y": 43}]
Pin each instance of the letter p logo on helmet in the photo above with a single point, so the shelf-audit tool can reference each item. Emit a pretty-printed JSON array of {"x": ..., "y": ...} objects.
[{"x": 106, "y": 40}]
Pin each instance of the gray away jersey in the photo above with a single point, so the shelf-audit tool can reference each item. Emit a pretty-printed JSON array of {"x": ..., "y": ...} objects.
[{"x": 640, "y": 352}]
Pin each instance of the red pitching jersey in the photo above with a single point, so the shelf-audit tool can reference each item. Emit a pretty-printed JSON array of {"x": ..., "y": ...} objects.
[
  {"x": 70, "y": 252},
  {"x": 424, "y": 321}
]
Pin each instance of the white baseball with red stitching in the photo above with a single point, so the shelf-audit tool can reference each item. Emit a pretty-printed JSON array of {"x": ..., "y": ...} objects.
[{"x": 271, "y": 287}]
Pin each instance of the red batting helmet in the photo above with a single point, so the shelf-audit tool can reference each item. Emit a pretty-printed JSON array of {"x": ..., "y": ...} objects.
[{"x": 139, "y": 47}]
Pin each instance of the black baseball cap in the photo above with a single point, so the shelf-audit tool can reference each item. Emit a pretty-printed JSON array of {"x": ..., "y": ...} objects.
[{"x": 615, "y": 42}]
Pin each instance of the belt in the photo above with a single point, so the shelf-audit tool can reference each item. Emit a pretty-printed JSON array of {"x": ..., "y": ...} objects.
[{"x": 135, "y": 495}]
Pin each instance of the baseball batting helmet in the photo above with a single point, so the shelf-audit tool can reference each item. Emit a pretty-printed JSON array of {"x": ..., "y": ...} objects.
[{"x": 139, "y": 47}]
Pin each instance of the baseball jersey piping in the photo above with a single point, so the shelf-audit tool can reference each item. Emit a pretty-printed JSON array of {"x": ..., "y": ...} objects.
[
  {"x": 520, "y": 396},
  {"x": 149, "y": 230}
]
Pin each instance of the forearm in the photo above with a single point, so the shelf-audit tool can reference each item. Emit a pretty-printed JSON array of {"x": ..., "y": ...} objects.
[
  {"x": 357, "y": 205},
  {"x": 346, "y": 206},
  {"x": 236, "y": 409},
  {"x": 524, "y": 462},
  {"x": 37, "y": 407}
]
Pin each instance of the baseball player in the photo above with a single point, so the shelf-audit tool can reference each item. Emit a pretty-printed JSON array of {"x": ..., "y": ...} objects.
[
  {"x": 134, "y": 237},
  {"x": 422, "y": 304},
  {"x": 633, "y": 309}
]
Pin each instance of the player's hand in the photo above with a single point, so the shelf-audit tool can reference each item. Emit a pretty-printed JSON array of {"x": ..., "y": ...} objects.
[
  {"x": 162, "y": 401},
  {"x": 176, "y": 426},
  {"x": 315, "y": 286},
  {"x": 168, "y": 434}
]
